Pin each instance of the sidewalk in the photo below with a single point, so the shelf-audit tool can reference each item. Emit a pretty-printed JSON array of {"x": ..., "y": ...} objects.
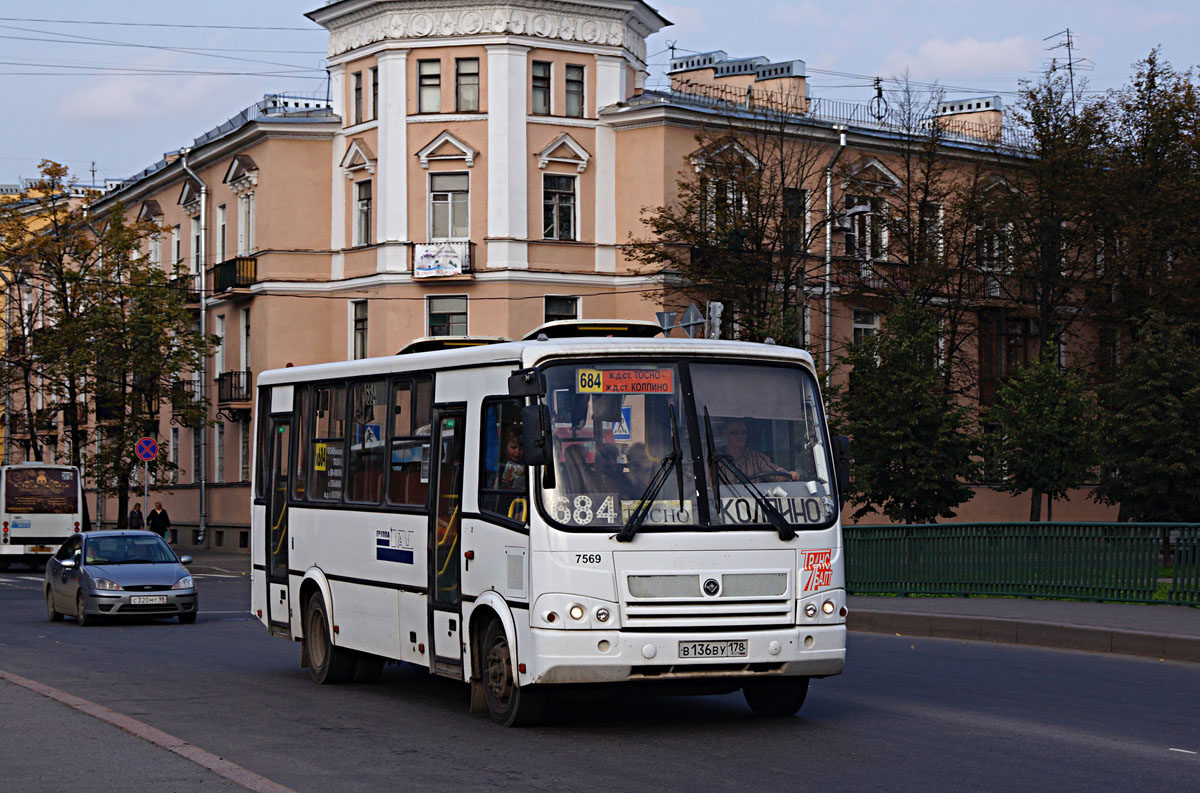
[{"x": 1156, "y": 631}]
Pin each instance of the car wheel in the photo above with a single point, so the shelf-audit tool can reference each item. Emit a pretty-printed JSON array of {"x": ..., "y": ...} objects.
[
  {"x": 81, "y": 616},
  {"x": 187, "y": 618},
  {"x": 327, "y": 663},
  {"x": 776, "y": 698},
  {"x": 52, "y": 614},
  {"x": 510, "y": 705}
]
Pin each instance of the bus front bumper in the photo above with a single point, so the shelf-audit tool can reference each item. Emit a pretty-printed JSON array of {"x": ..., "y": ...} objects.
[{"x": 585, "y": 656}]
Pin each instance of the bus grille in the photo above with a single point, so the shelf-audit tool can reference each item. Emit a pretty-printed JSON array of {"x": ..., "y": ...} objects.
[{"x": 712, "y": 613}]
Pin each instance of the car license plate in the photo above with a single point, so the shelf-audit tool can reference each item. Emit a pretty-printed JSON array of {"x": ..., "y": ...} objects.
[
  {"x": 731, "y": 648},
  {"x": 148, "y": 600},
  {"x": 40, "y": 549}
]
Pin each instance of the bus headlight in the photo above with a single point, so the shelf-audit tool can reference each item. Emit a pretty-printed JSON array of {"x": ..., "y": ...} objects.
[
  {"x": 602, "y": 615},
  {"x": 810, "y": 610},
  {"x": 827, "y": 607},
  {"x": 577, "y": 612}
]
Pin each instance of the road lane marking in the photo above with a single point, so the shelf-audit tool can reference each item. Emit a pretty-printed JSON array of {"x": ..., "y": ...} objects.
[
  {"x": 219, "y": 766},
  {"x": 1181, "y": 751}
]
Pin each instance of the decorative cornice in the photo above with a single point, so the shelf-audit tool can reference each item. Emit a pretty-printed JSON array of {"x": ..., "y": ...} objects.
[
  {"x": 463, "y": 150},
  {"x": 357, "y": 157},
  {"x": 543, "y": 19},
  {"x": 579, "y": 160}
]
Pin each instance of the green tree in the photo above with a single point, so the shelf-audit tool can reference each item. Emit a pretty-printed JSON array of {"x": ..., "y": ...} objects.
[
  {"x": 913, "y": 447},
  {"x": 1044, "y": 432},
  {"x": 109, "y": 335},
  {"x": 1150, "y": 437}
]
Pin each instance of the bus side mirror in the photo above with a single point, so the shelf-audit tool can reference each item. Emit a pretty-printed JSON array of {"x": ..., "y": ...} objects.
[
  {"x": 841, "y": 461},
  {"x": 535, "y": 435},
  {"x": 527, "y": 383}
]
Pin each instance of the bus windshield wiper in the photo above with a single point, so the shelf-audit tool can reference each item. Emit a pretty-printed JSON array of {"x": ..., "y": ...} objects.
[
  {"x": 642, "y": 510},
  {"x": 717, "y": 462}
]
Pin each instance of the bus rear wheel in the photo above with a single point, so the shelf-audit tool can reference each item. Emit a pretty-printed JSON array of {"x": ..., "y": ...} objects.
[
  {"x": 777, "y": 697},
  {"x": 327, "y": 663},
  {"x": 510, "y": 705}
]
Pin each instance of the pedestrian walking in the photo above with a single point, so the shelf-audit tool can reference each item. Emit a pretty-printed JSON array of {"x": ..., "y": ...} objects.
[
  {"x": 158, "y": 521},
  {"x": 135, "y": 517}
]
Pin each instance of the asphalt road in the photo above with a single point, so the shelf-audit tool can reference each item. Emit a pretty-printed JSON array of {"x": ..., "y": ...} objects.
[{"x": 919, "y": 715}]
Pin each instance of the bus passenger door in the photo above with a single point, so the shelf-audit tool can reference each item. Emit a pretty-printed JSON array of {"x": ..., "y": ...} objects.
[
  {"x": 277, "y": 539},
  {"x": 445, "y": 526}
]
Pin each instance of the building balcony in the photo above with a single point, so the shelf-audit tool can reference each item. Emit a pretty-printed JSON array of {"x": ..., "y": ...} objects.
[
  {"x": 185, "y": 394},
  {"x": 237, "y": 273},
  {"x": 442, "y": 259},
  {"x": 234, "y": 388}
]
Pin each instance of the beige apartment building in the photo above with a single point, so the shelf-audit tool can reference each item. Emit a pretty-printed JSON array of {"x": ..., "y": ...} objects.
[{"x": 474, "y": 169}]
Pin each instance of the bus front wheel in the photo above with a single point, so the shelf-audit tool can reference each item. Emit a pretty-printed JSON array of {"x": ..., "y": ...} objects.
[
  {"x": 777, "y": 697},
  {"x": 510, "y": 705},
  {"x": 327, "y": 663}
]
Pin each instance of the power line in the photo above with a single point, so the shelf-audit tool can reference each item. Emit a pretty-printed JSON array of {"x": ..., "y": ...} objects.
[
  {"x": 156, "y": 24},
  {"x": 320, "y": 53}
]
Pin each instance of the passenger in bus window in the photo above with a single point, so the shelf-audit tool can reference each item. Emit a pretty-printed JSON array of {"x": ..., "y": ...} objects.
[
  {"x": 641, "y": 465},
  {"x": 512, "y": 473},
  {"x": 750, "y": 461}
]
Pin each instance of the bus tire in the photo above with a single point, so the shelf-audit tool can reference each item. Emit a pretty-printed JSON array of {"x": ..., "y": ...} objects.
[
  {"x": 367, "y": 668},
  {"x": 776, "y": 698},
  {"x": 510, "y": 705},
  {"x": 81, "y": 616},
  {"x": 52, "y": 614},
  {"x": 327, "y": 663}
]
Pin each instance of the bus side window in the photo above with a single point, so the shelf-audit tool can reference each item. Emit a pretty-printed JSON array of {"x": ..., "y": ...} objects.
[
  {"x": 503, "y": 475},
  {"x": 328, "y": 443},
  {"x": 301, "y": 424},
  {"x": 408, "y": 470},
  {"x": 365, "y": 464}
]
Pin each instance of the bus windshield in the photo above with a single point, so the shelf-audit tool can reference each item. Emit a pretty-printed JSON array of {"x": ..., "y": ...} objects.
[
  {"x": 33, "y": 490},
  {"x": 617, "y": 425}
]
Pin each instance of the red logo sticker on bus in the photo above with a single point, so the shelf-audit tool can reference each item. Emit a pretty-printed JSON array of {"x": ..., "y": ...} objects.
[
  {"x": 625, "y": 381},
  {"x": 817, "y": 569}
]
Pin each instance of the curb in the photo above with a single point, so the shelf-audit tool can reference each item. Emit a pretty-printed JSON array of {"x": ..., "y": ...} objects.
[{"x": 1035, "y": 634}]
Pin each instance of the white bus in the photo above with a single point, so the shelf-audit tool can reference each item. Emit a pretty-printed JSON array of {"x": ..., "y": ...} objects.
[
  {"x": 541, "y": 513},
  {"x": 41, "y": 505}
]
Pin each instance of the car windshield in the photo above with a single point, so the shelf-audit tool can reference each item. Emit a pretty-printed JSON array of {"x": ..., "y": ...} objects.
[
  {"x": 126, "y": 550},
  {"x": 617, "y": 426}
]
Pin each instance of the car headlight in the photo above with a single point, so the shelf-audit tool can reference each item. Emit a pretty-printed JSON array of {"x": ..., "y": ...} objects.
[
  {"x": 104, "y": 583},
  {"x": 184, "y": 583}
]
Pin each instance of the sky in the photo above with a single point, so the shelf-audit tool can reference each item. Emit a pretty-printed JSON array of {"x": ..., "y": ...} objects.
[{"x": 107, "y": 88}]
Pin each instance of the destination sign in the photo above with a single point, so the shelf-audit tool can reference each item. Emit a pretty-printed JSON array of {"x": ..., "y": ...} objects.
[{"x": 625, "y": 381}]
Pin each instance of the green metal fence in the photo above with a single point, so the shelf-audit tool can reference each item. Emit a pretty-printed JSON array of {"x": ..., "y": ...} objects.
[{"x": 1090, "y": 561}]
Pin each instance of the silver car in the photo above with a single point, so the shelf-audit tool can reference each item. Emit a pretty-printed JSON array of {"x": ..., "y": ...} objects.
[{"x": 118, "y": 574}]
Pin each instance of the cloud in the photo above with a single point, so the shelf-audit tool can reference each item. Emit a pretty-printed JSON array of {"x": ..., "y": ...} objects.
[
  {"x": 970, "y": 57},
  {"x": 133, "y": 99}
]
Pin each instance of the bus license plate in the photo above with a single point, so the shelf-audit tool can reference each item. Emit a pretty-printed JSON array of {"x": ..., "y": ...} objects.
[
  {"x": 40, "y": 549},
  {"x": 732, "y": 648},
  {"x": 148, "y": 600}
]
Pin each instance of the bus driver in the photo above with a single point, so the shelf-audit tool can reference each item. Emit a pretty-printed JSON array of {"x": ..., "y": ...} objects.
[{"x": 750, "y": 461}]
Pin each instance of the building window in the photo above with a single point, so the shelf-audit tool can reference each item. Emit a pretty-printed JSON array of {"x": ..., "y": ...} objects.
[
  {"x": 360, "y": 329},
  {"x": 245, "y": 224},
  {"x": 557, "y": 308},
  {"x": 429, "y": 81},
  {"x": 466, "y": 85},
  {"x": 541, "y": 88},
  {"x": 574, "y": 81},
  {"x": 358, "y": 98},
  {"x": 558, "y": 207},
  {"x": 866, "y": 232},
  {"x": 197, "y": 444},
  {"x": 173, "y": 455},
  {"x": 374, "y": 92},
  {"x": 449, "y": 212},
  {"x": 197, "y": 265},
  {"x": 245, "y": 320},
  {"x": 219, "y": 350},
  {"x": 176, "y": 246},
  {"x": 219, "y": 454},
  {"x": 221, "y": 250},
  {"x": 866, "y": 324},
  {"x": 448, "y": 316},
  {"x": 362, "y": 213}
]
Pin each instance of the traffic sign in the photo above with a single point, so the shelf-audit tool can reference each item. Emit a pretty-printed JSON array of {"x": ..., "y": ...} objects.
[{"x": 146, "y": 449}]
